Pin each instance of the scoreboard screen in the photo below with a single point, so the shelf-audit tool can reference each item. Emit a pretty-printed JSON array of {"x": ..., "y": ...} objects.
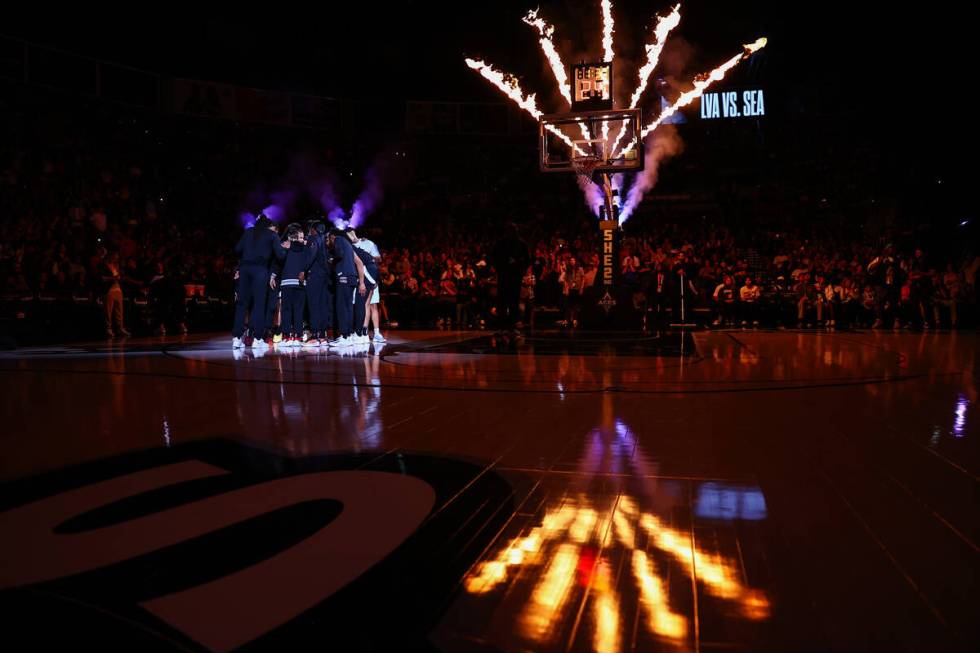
[
  {"x": 749, "y": 103},
  {"x": 592, "y": 86}
]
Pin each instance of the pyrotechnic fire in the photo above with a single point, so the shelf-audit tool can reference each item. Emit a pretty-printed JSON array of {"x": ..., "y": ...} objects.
[
  {"x": 664, "y": 25},
  {"x": 545, "y": 32},
  {"x": 607, "y": 30},
  {"x": 509, "y": 85},
  {"x": 607, "y": 48}
]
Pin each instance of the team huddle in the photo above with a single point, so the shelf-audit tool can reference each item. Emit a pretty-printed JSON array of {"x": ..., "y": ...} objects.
[{"x": 329, "y": 270}]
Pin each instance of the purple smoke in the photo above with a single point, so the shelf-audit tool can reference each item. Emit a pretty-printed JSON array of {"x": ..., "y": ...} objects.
[
  {"x": 304, "y": 180},
  {"x": 370, "y": 197},
  {"x": 324, "y": 188},
  {"x": 337, "y": 217},
  {"x": 592, "y": 193},
  {"x": 663, "y": 144},
  {"x": 308, "y": 180},
  {"x": 388, "y": 171},
  {"x": 275, "y": 212},
  {"x": 328, "y": 199}
]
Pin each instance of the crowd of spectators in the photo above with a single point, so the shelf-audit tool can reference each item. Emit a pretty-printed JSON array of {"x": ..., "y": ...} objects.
[
  {"x": 776, "y": 279},
  {"x": 95, "y": 203}
]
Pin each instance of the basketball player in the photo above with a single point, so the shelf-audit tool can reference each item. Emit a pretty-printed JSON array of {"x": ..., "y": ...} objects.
[
  {"x": 257, "y": 248},
  {"x": 349, "y": 273},
  {"x": 371, "y": 257},
  {"x": 319, "y": 289},
  {"x": 292, "y": 283}
]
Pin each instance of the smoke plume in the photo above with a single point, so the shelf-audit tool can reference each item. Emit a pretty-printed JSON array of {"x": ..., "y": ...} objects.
[
  {"x": 660, "y": 146},
  {"x": 387, "y": 172}
]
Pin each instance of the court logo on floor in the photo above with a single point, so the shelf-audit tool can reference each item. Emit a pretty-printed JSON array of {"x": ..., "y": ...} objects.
[{"x": 220, "y": 546}]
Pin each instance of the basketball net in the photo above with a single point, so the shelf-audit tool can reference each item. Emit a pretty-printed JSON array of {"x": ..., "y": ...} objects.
[{"x": 586, "y": 166}]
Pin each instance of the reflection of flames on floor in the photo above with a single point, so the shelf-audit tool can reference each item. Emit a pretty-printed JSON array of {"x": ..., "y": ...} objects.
[{"x": 566, "y": 544}]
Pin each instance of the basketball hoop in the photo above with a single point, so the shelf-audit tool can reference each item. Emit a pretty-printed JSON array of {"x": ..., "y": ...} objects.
[
  {"x": 588, "y": 156},
  {"x": 585, "y": 166},
  {"x": 571, "y": 142}
]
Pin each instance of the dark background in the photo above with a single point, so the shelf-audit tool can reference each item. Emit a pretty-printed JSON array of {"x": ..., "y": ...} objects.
[
  {"x": 414, "y": 49},
  {"x": 880, "y": 65}
]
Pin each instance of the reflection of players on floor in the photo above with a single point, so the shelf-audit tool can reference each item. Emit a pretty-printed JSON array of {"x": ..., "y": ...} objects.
[{"x": 511, "y": 259}]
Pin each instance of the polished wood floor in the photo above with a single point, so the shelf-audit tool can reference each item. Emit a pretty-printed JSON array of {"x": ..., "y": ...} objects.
[{"x": 739, "y": 490}]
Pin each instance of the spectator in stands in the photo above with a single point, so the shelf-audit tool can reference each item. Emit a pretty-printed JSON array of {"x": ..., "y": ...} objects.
[
  {"x": 658, "y": 295},
  {"x": 832, "y": 295},
  {"x": 408, "y": 297},
  {"x": 749, "y": 295},
  {"x": 112, "y": 278},
  {"x": 944, "y": 294},
  {"x": 869, "y": 314},
  {"x": 590, "y": 267},
  {"x": 970, "y": 279},
  {"x": 166, "y": 297},
  {"x": 428, "y": 302},
  {"x": 725, "y": 297},
  {"x": 850, "y": 302},
  {"x": 807, "y": 298},
  {"x": 920, "y": 293},
  {"x": 572, "y": 279},
  {"x": 527, "y": 297},
  {"x": 17, "y": 282},
  {"x": 630, "y": 268},
  {"x": 953, "y": 282},
  {"x": 892, "y": 291},
  {"x": 448, "y": 293}
]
